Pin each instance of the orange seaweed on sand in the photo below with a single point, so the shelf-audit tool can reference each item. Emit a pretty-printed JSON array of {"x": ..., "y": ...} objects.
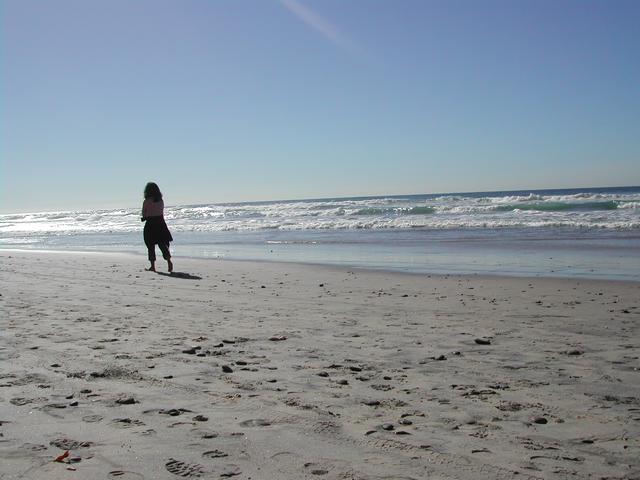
[{"x": 60, "y": 458}]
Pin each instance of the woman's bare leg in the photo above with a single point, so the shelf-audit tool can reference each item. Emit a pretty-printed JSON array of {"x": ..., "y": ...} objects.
[{"x": 166, "y": 254}]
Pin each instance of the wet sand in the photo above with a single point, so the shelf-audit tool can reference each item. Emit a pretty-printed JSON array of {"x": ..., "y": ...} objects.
[{"x": 282, "y": 371}]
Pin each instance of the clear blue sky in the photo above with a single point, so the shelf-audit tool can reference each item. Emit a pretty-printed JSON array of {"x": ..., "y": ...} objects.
[{"x": 220, "y": 100}]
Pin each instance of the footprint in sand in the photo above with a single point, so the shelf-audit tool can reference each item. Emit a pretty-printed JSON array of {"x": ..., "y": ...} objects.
[
  {"x": 173, "y": 412},
  {"x": 215, "y": 454},
  {"x": 29, "y": 378},
  {"x": 33, "y": 447},
  {"x": 92, "y": 418},
  {"x": 20, "y": 401},
  {"x": 205, "y": 433},
  {"x": 285, "y": 456},
  {"x": 230, "y": 471},
  {"x": 124, "y": 475},
  {"x": 257, "y": 422},
  {"x": 316, "y": 469},
  {"x": 126, "y": 423},
  {"x": 69, "y": 444},
  {"x": 184, "y": 469}
]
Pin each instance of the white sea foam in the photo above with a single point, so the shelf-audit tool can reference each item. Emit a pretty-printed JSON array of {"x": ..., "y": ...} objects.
[{"x": 583, "y": 210}]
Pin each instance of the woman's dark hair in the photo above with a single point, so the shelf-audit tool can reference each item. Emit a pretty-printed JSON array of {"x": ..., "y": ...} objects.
[{"x": 151, "y": 190}]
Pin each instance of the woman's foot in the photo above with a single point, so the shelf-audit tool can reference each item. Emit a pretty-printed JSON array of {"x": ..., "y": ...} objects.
[
  {"x": 152, "y": 268},
  {"x": 170, "y": 265}
]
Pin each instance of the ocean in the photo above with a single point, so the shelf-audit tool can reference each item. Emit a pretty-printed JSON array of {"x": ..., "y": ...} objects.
[{"x": 590, "y": 232}]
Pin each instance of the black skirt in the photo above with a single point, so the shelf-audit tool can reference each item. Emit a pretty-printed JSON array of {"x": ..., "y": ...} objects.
[{"x": 156, "y": 231}]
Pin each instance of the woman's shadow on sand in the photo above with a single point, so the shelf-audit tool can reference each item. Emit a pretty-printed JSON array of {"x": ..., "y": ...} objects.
[{"x": 183, "y": 275}]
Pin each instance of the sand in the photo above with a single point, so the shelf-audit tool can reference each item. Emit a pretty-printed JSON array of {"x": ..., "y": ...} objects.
[{"x": 282, "y": 371}]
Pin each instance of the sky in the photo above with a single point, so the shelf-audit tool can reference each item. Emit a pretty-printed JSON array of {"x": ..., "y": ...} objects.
[{"x": 224, "y": 101}]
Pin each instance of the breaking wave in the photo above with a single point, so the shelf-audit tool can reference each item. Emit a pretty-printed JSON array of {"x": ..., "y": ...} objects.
[
  {"x": 552, "y": 206},
  {"x": 590, "y": 209}
]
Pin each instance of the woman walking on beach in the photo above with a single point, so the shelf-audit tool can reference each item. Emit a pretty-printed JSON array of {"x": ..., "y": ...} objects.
[{"x": 156, "y": 231}]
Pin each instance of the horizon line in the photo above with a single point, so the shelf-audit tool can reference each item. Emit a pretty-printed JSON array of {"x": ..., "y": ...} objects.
[{"x": 351, "y": 197}]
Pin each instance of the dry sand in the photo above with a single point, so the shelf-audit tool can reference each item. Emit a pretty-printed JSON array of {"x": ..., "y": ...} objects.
[{"x": 283, "y": 371}]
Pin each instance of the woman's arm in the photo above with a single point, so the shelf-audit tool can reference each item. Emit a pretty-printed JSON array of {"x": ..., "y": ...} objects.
[{"x": 144, "y": 213}]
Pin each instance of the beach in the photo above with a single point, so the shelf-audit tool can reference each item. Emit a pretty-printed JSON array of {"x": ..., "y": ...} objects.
[
  {"x": 404, "y": 240},
  {"x": 265, "y": 370}
]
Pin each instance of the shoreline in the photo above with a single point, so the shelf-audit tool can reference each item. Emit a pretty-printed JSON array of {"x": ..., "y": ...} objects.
[{"x": 340, "y": 267}]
